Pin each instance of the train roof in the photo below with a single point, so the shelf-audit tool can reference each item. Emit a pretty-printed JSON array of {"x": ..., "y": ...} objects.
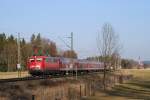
[
  {"x": 63, "y": 58},
  {"x": 68, "y": 59}
]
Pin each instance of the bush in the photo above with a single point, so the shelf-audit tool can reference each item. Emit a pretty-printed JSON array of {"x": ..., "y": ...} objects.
[{"x": 3, "y": 68}]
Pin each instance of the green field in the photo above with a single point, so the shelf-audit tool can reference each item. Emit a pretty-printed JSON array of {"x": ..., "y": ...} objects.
[{"x": 136, "y": 89}]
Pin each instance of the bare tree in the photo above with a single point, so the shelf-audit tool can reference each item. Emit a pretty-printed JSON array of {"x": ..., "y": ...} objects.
[{"x": 108, "y": 46}]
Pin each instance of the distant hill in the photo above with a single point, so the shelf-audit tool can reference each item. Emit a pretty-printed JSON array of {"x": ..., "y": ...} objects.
[{"x": 146, "y": 62}]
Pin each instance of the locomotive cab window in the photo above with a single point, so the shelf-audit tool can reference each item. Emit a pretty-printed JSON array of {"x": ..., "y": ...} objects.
[
  {"x": 39, "y": 59},
  {"x": 51, "y": 60},
  {"x": 31, "y": 60},
  {"x": 48, "y": 59},
  {"x": 54, "y": 61}
]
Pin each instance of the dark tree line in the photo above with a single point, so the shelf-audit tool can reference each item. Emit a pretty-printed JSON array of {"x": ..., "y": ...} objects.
[
  {"x": 8, "y": 52},
  {"x": 129, "y": 64},
  {"x": 36, "y": 46}
]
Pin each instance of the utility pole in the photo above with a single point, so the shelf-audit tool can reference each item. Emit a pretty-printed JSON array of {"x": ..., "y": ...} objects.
[
  {"x": 19, "y": 57},
  {"x": 72, "y": 51},
  {"x": 71, "y": 41},
  {"x": 71, "y": 48}
]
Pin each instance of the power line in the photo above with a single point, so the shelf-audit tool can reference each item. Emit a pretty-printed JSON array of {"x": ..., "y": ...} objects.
[{"x": 71, "y": 48}]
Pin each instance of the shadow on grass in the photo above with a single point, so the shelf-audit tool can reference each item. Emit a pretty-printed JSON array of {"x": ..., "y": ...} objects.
[
  {"x": 134, "y": 90},
  {"x": 144, "y": 84}
]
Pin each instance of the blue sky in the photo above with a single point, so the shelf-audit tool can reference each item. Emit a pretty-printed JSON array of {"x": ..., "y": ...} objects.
[{"x": 58, "y": 18}]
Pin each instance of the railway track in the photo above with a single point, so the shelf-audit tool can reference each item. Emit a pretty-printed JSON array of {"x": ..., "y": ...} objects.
[
  {"x": 19, "y": 79},
  {"x": 42, "y": 77}
]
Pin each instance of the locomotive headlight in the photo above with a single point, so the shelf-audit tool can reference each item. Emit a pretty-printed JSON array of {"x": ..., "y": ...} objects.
[{"x": 37, "y": 66}]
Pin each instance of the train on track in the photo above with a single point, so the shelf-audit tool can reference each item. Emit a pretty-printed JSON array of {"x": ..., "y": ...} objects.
[{"x": 45, "y": 65}]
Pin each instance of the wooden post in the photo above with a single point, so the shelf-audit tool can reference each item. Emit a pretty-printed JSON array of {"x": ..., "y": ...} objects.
[
  {"x": 85, "y": 89},
  {"x": 80, "y": 91},
  {"x": 33, "y": 97}
]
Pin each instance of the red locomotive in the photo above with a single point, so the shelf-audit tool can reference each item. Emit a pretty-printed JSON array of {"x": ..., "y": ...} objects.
[{"x": 38, "y": 65}]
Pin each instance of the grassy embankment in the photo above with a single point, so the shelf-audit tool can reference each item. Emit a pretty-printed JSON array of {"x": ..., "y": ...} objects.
[
  {"x": 137, "y": 88},
  {"x": 6, "y": 75}
]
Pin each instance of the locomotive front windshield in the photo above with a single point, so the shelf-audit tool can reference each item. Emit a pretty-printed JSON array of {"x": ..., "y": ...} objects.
[
  {"x": 35, "y": 60},
  {"x": 31, "y": 60},
  {"x": 38, "y": 59}
]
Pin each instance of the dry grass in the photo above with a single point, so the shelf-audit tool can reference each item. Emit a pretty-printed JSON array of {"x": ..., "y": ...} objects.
[
  {"x": 6, "y": 75},
  {"x": 137, "y": 88}
]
